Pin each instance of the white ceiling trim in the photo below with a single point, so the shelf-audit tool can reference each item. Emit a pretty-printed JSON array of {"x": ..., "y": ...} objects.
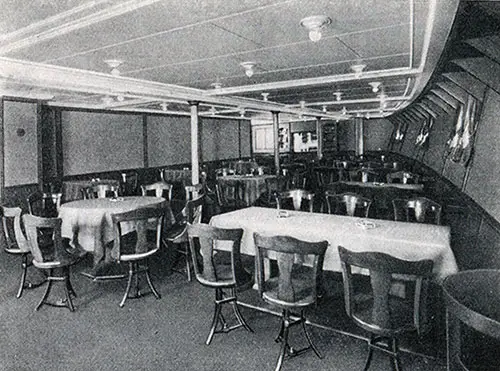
[{"x": 70, "y": 26}]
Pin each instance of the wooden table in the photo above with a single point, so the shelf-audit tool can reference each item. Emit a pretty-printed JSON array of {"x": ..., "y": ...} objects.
[{"x": 410, "y": 241}]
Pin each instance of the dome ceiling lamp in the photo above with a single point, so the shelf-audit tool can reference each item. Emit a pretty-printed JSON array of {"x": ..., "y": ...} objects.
[
  {"x": 314, "y": 24},
  {"x": 114, "y": 64},
  {"x": 265, "y": 96},
  {"x": 358, "y": 69},
  {"x": 249, "y": 68},
  {"x": 375, "y": 86},
  {"x": 338, "y": 96}
]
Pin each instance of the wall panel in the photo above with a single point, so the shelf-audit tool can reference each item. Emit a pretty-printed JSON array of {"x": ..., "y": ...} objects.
[
  {"x": 20, "y": 143},
  {"x": 169, "y": 140},
  {"x": 99, "y": 142},
  {"x": 377, "y": 134}
]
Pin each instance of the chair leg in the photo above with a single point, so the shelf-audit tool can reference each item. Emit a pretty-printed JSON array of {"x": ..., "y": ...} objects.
[
  {"x": 308, "y": 337},
  {"x": 279, "y": 338},
  {"x": 67, "y": 285},
  {"x": 129, "y": 283},
  {"x": 150, "y": 283},
  {"x": 47, "y": 291},
  {"x": 396, "y": 364},
  {"x": 370, "y": 352},
  {"x": 284, "y": 343},
  {"x": 237, "y": 312},
  {"x": 188, "y": 263},
  {"x": 215, "y": 320},
  {"x": 24, "y": 265}
]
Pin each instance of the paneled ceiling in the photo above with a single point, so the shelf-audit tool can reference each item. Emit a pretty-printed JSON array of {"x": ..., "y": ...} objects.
[{"x": 173, "y": 52}]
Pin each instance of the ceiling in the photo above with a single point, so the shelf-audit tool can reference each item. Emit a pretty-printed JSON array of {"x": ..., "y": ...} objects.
[{"x": 175, "y": 52}]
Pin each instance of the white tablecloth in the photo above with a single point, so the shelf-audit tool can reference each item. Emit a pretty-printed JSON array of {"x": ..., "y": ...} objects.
[
  {"x": 89, "y": 223},
  {"x": 72, "y": 189},
  {"x": 410, "y": 241},
  {"x": 255, "y": 185}
]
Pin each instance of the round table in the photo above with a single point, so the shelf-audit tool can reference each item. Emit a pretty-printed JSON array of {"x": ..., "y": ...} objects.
[
  {"x": 254, "y": 185},
  {"x": 89, "y": 224}
]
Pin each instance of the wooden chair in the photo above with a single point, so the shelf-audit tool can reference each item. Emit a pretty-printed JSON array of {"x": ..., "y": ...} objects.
[
  {"x": 56, "y": 259},
  {"x": 224, "y": 278},
  {"x": 158, "y": 189},
  {"x": 274, "y": 186},
  {"x": 295, "y": 286},
  {"x": 230, "y": 194},
  {"x": 472, "y": 320},
  {"x": 298, "y": 179},
  {"x": 350, "y": 204},
  {"x": 403, "y": 177},
  {"x": 177, "y": 234},
  {"x": 129, "y": 183},
  {"x": 44, "y": 204},
  {"x": 326, "y": 175},
  {"x": 100, "y": 191},
  {"x": 417, "y": 210},
  {"x": 17, "y": 244},
  {"x": 384, "y": 316},
  {"x": 134, "y": 248},
  {"x": 294, "y": 199},
  {"x": 365, "y": 175},
  {"x": 194, "y": 191}
]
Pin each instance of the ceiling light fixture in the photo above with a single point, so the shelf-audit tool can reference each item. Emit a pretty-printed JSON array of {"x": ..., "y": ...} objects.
[
  {"x": 375, "y": 86},
  {"x": 114, "y": 64},
  {"x": 302, "y": 104},
  {"x": 249, "y": 68},
  {"x": 338, "y": 96},
  {"x": 344, "y": 111},
  {"x": 164, "y": 106},
  {"x": 264, "y": 96},
  {"x": 216, "y": 85},
  {"x": 358, "y": 69},
  {"x": 212, "y": 110},
  {"x": 324, "y": 109},
  {"x": 314, "y": 24}
]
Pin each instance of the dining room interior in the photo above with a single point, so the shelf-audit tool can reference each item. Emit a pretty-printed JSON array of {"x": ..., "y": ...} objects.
[{"x": 249, "y": 166}]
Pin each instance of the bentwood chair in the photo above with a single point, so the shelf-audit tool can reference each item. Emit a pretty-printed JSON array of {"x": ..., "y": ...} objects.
[
  {"x": 17, "y": 244},
  {"x": 101, "y": 191},
  {"x": 225, "y": 279},
  {"x": 56, "y": 259},
  {"x": 295, "y": 286},
  {"x": 177, "y": 234},
  {"x": 296, "y": 199},
  {"x": 349, "y": 204},
  {"x": 134, "y": 247},
  {"x": 158, "y": 189},
  {"x": 417, "y": 210},
  {"x": 384, "y": 316},
  {"x": 44, "y": 204},
  {"x": 129, "y": 183}
]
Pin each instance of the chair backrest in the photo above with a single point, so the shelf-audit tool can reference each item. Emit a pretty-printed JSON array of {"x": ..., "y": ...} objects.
[
  {"x": 142, "y": 219},
  {"x": 129, "y": 183},
  {"x": 417, "y": 210},
  {"x": 101, "y": 191},
  {"x": 44, "y": 204},
  {"x": 230, "y": 191},
  {"x": 326, "y": 175},
  {"x": 350, "y": 204},
  {"x": 365, "y": 175},
  {"x": 298, "y": 178},
  {"x": 194, "y": 191},
  {"x": 158, "y": 189},
  {"x": 203, "y": 239},
  {"x": 45, "y": 257},
  {"x": 403, "y": 177},
  {"x": 274, "y": 186},
  {"x": 378, "y": 311},
  {"x": 296, "y": 196},
  {"x": 295, "y": 282},
  {"x": 14, "y": 235}
]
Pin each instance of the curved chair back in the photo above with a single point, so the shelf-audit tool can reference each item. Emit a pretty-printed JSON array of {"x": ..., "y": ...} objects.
[
  {"x": 45, "y": 258},
  {"x": 44, "y": 204},
  {"x": 377, "y": 311},
  {"x": 350, "y": 204},
  {"x": 194, "y": 191},
  {"x": 274, "y": 186},
  {"x": 141, "y": 219},
  {"x": 14, "y": 236},
  {"x": 326, "y": 175},
  {"x": 418, "y": 210},
  {"x": 158, "y": 189},
  {"x": 294, "y": 286},
  {"x": 101, "y": 191},
  {"x": 365, "y": 175},
  {"x": 203, "y": 242},
  {"x": 296, "y": 196},
  {"x": 129, "y": 183}
]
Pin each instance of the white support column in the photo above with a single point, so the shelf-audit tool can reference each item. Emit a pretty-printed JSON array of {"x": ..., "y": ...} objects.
[
  {"x": 195, "y": 155},
  {"x": 276, "y": 142},
  {"x": 319, "y": 135},
  {"x": 360, "y": 143}
]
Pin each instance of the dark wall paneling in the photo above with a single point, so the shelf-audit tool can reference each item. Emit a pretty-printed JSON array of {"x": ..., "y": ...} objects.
[
  {"x": 408, "y": 148},
  {"x": 483, "y": 184},
  {"x": 246, "y": 138},
  {"x": 20, "y": 143},
  {"x": 346, "y": 136},
  {"x": 169, "y": 140},
  {"x": 377, "y": 133},
  {"x": 98, "y": 142},
  {"x": 17, "y": 196},
  {"x": 437, "y": 141},
  {"x": 455, "y": 172}
]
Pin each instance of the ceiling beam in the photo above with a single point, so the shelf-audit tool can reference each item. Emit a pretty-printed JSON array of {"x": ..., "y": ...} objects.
[
  {"x": 446, "y": 97},
  {"x": 488, "y": 45},
  {"x": 442, "y": 104},
  {"x": 436, "y": 108},
  {"x": 454, "y": 90},
  {"x": 468, "y": 82},
  {"x": 427, "y": 109},
  {"x": 484, "y": 69},
  {"x": 425, "y": 113},
  {"x": 90, "y": 82}
]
